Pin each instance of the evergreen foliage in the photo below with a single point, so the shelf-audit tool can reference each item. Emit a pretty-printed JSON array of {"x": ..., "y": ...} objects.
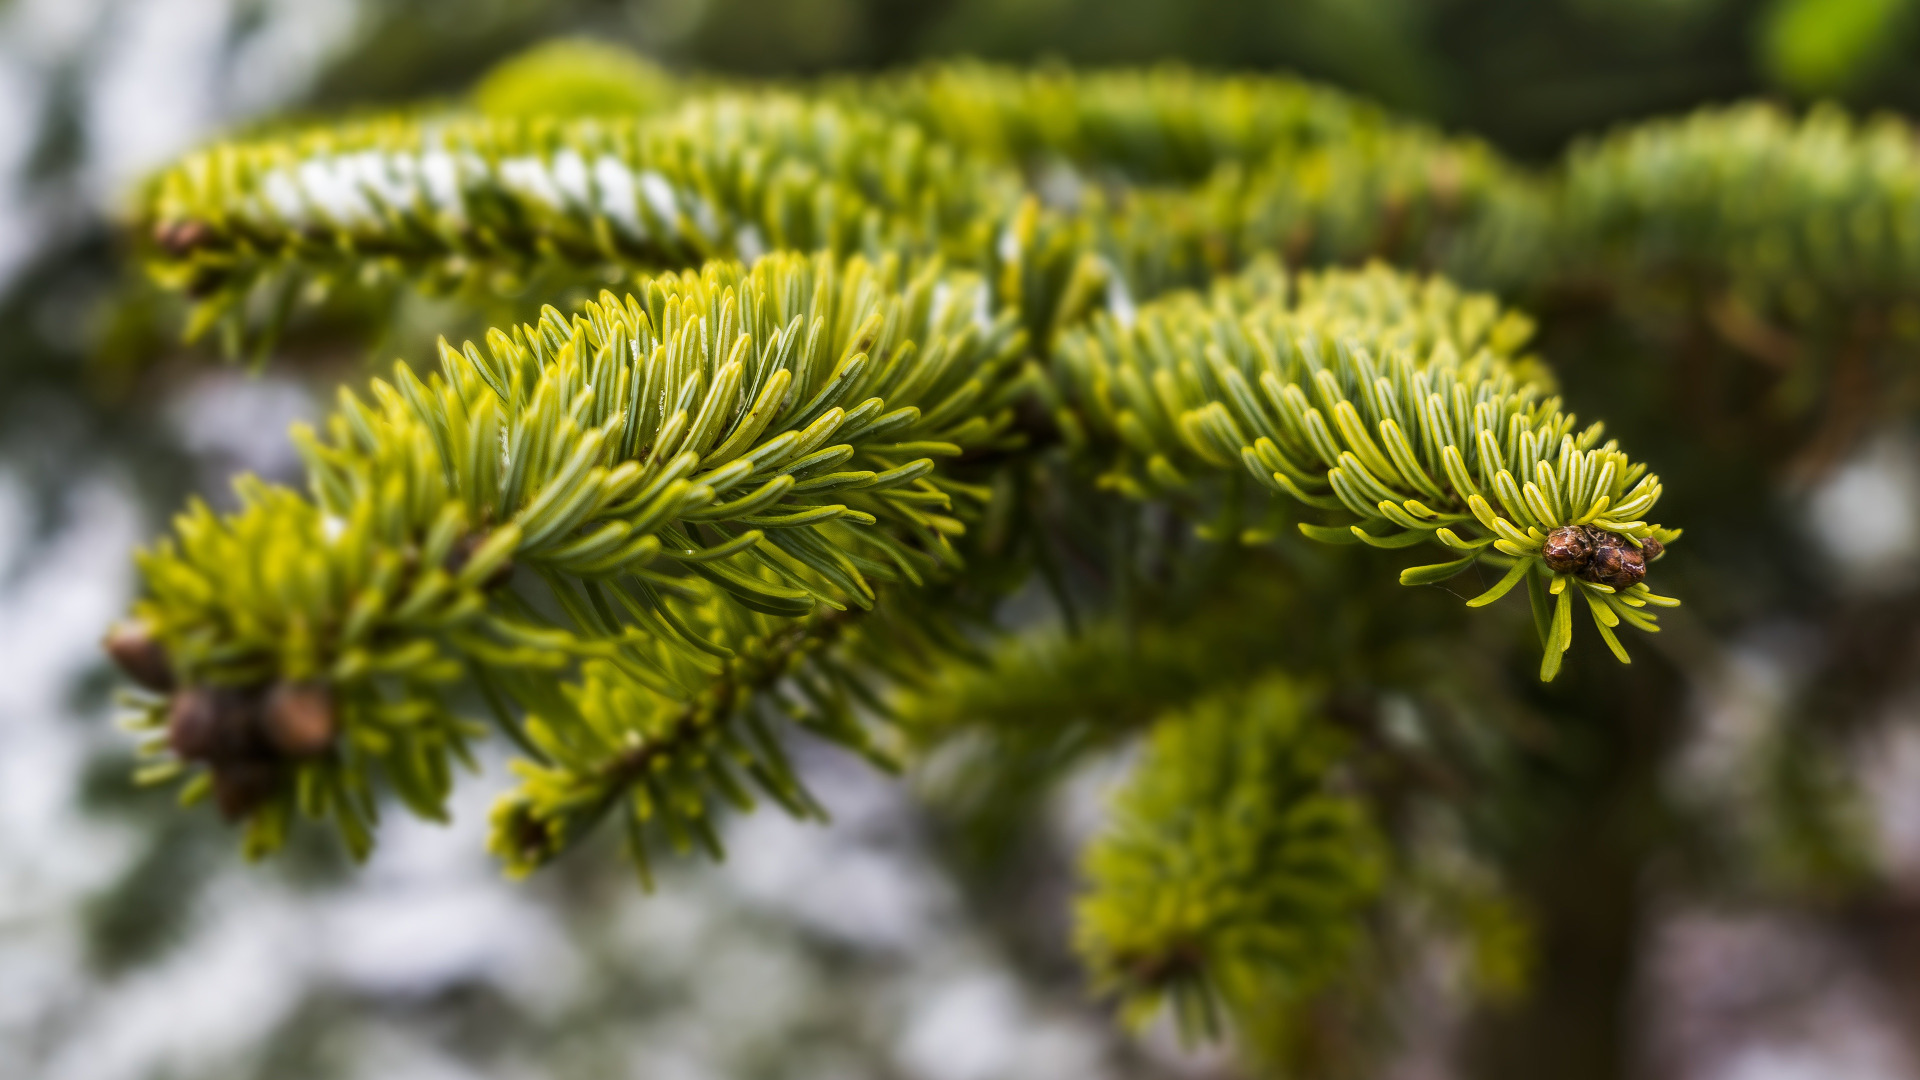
[
  {"x": 1420, "y": 414},
  {"x": 1235, "y": 874},
  {"x": 832, "y": 370},
  {"x": 686, "y": 474},
  {"x": 574, "y": 78},
  {"x": 1794, "y": 215},
  {"x": 1790, "y": 213},
  {"x": 504, "y": 205},
  {"x": 1164, "y": 125}
]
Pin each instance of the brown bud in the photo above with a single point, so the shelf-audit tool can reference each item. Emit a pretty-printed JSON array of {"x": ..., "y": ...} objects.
[
  {"x": 1651, "y": 548},
  {"x": 300, "y": 720},
  {"x": 239, "y": 787},
  {"x": 143, "y": 659},
  {"x": 1616, "y": 562},
  {"x": 214, "y": 723},
  {"x": 1567, "y": 549},
  {"x": 193, "y": 723}
]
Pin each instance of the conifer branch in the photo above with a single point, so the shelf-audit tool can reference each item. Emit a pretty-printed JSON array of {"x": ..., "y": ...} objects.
[
  {"x": 666, "y": 763},
  {"x": 1795, "y": 217},
  {"x": 491, "y": 204},
  {"x": 615, "y": 738},
  {"x": 1252, "y": 166},
  {"x": 653, "y": 536},
  {"x": 677, "y": 468},
  {"x": 1403, "y": 408},
  {"x": 1234, "y": 872}
]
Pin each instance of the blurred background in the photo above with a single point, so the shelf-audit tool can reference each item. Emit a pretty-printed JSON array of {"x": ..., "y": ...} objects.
[{"x": 135, "y": 944}]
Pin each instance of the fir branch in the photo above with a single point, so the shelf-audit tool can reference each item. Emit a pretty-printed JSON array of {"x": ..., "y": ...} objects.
[
  {"x": 700, "y": 483},
  {"x": 728, "y": 446},
  {"x": 1796, "y": 217},
  {"x": 667, "y": 759},
  {"x": 491, "y": 204},
  {"x": 1401, "y": 407},
  {"x": 668, "y": 763},
  {"x": 1233, "y": 873}
]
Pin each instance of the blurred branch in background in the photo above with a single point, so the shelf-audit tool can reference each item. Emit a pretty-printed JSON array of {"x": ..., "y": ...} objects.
[{"x": 1832, "y": 47}]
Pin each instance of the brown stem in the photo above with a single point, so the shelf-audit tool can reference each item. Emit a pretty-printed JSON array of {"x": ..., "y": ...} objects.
[
  {"x": 739, "y": 680},
  {"x": 1740, "y": 326},
  {"x": 1850, "y": 400}
]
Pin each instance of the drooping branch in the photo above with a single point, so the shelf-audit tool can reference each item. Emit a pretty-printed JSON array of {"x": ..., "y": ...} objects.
[{"x": 1234, "y": 872}]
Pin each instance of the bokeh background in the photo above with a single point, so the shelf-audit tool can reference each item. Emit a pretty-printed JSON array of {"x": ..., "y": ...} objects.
[{"x": 135, "y": 944}]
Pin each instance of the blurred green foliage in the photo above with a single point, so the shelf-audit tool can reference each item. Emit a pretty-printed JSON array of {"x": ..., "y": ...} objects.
[
  {"x": 573, "y": 78},
  {"x": 1819, "y": 47},
  {"x": 1527, "y": 74}
]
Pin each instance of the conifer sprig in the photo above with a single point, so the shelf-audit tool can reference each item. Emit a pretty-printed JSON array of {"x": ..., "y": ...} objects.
[
  {"x": 722, "y": 443},
  {"x": 1234, "y": 873},
  {"x": 664, "y": 761},
  {"x": 1401, "y": 407},
  {"x": 492, "y": 203},
  {"x": 615, "y": 738}
]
